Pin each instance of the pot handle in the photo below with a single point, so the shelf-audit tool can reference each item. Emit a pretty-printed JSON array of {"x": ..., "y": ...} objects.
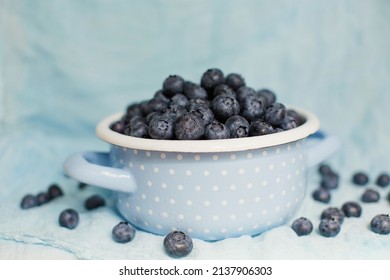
[
  {"x": 94, "y": 168},
  {"x": 321, "y": 147}
]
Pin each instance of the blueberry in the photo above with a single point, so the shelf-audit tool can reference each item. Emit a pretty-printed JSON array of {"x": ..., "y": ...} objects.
[
  {"x": 82, "y": 185},
  {"x": 189, "y": 127},
  {"x": 223, "y": 89},
  {"x": 324, "y": 169},
  {"x": 152, "y": 115},
  {"x": 302, "y": 226},
  {"x": 224, "y": 106},
  {"x": 211, "y": 78},
  {"x": 258, "y": 128},
  {"x": 244, "y": 92},
  {"x": 179, "y": 99},
  {"x": 94, "y": 202},
  {"x": 133, "y": 110},
  {"x": 251, "y": 108},
  {"x": 381, "y": 224},
  {"x": 69, "y": 218},
  {"x": 193, "y": 103},
  {"x": 216, "y": 130},
  {"x": 123, "y": 232},
  {"x": 269, "y": 95},
  {"x": 360, "y": 178},
  {"x": 174, "y": 111},
  {"x": 161, "y": 127},
  {"x": 370, "y": 195},
  {"x": 140, "y": 130},
  {"x": 333, "y": 213},
  {"x": 29, "y": 201},
  {"x": 155, "y": 105},
  {"x": 136, "y": 120},
  {"x": 194, "y": 91},
  {"x": 383, "y": 180},
  {"x": 118, "y": 126},
  {"x": 275, "y": 113},
  {"x": 330, "y": 181},
  {"x": 235, "y": 81},
  {"x": 329, "y": 227},
  {"x": 177, "y": 244},
  {"x": 288, "y": 123},
  {"x": 204, "y": 113},
  {"x": 42, "y": 198},
  {"x": 351, "y": 209},
  {"x": 160, "y": 94},
  {"x": 298, "y": 119},
  {"x": 321, "y": 195},
  {"x": 238, "y": 126},
  {"x": 54, "y": 191},
  {"x": 173, "y": 85}
]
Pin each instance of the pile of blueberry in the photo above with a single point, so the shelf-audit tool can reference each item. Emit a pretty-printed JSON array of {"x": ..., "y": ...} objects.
[
  {"x": 332, "y": 218},
  {"x": 220, "y": 107},
  {"x": 30, "y": 200}
]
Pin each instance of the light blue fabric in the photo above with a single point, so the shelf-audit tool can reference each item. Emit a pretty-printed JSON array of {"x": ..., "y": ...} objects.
[{"x": 67, "y": 64}]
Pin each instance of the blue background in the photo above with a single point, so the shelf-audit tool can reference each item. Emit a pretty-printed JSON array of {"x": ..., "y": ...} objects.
[{"x": 65, "y": 65}]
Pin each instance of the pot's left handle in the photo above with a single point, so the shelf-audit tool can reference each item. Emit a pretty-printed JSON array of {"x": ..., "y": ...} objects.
[{"x": 94, "y": 168}]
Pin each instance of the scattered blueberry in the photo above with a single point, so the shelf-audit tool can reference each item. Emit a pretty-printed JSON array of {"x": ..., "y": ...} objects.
[
  {"x": 161, "y": 127},
  {"x": 302, "y": 226},
  {"x": 54, "y": 191},
  {"x": 333, "y": 213},
  {"x": 329, "y": 227},
  {"x": 177, "y": 244},
  {"x": 224, "y": 107},
  {"x": 351, "y": 209},
  {"x": 189, "y": 127},
  {"x": 330, "y": 181},
  {"x": 321, "y": 195},
  {"x": 381, "y": 224},
  {"x": 235, "y": 81},
  {"x": 29, "y": 201},
  {"x": 238, "y": 126},
  {"x": 82, "y": 185},
  {"x": 324, "y": 169},
  {"x": 43, "y": 198},
  {"x": 172, "y": 85},
  {"x": 211, "y": 78},
  {"x": 94, "y": 202},
  {"x": 370, "y": 195},
  {"x": 383, "y": 180},
  {"x": 360, "y": 178},
  {"x": 216, "y": 130},
  {"x": 275, "y": 113},
  {"x": 123, "y": 232},
  {"x": 69, "y": 218}
]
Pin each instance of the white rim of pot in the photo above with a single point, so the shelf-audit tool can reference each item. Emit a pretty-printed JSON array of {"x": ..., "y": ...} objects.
[{"x": 104, "y": 132}]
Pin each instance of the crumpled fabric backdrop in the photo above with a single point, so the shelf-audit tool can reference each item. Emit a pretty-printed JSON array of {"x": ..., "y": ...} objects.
[{"x": 67, "y": 64}]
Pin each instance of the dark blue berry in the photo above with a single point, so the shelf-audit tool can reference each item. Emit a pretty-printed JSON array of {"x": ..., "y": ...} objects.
[
  {"x": 29, "y": 201},
  {"x": 152, "y": 115},
  {"x": 333, "y": 213},
  {"x": 381, "y": 224},
  {"x": 133, "y": 110},
  {"x": 288, "y": 123},
  {"x": 94, "y": 201},
  {"x": 238, "y": 126},
  {"x": 136, "y": 120},
  {"x": 244, "y": 92},
  {"x": 160, "y": 94},
  {"x": 82, "y": 185},
  {"x": 161, "y": 127},
  {"x": 69, "y": 218},
  {"x": 298, "y": 119},
  {"x": 189, "y": 127},
  {"x": 123, "y": 232},
  {"x": 54, "y": 191},
  {"x": 360, "y": 178},
  {"x": 194, "y": 91},
  {"x": 211, "y": 78},
  {"x": 173, "y": 85},
  {"x": 321, "y": 195},
  {"x": 251, "y": 108},
  {"x": 179, "y": 99},
  {"x": 330, "y": 181},
  {"x": 235, "y": 81},
  {"x": 383, "y": 180},
  {"x": 140, "y": 130},
  {"x": 370, "y": 195},
  {"x": 351, "y": 209},
  {"x": 302, "y": 226},
  {"x": 193, "y": 103},
  {"x": 174, "y": 111},
  {"x": 324, "y": 169},
  {"x": 275, "y": 113},
  {"x": 329, "y": 227},
  {"x": 204, "y": 113},
  {"x": 216, "y": 130},
  {"x": 223, "y": 89},
  {"x": 118, "y": 126},
  {"x": 177, "y": 244},
  {"x": 155, "y": 105},
  {"x": 268, "y": 95},
  {"x": 43, "y": 198},
  {"x": 258, "y": 128},
  {"x": 224, "y": 106}
]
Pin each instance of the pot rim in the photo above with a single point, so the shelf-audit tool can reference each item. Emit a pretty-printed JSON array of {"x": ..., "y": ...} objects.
[{"x": 104, "y": 132}]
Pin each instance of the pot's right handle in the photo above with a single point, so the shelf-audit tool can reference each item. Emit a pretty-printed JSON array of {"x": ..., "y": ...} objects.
[
  {"x": 325, "y": 146},
  {"x": 94, "y": 168}
]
